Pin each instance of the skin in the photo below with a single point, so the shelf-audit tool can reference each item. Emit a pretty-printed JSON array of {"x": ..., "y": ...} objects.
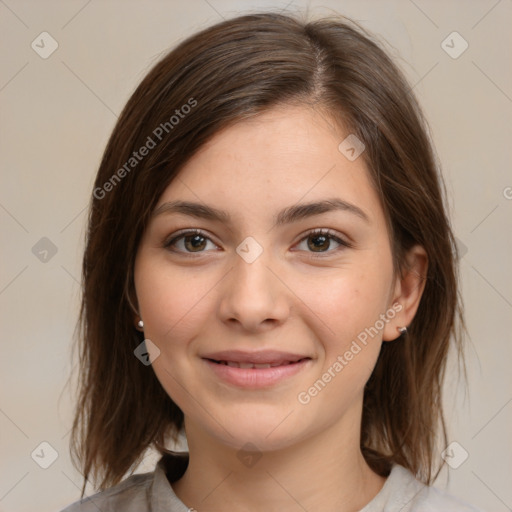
[{"x": 211, "y": 300}]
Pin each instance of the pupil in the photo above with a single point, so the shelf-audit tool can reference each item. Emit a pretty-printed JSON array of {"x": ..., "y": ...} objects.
[
  {"x": 196, "y": 241},
  {"x": 323, "y": 239}
]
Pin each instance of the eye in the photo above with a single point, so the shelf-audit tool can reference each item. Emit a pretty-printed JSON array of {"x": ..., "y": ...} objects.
[
  {"x": 320, "y": 241},
  {"x": 192, "y": 241}
]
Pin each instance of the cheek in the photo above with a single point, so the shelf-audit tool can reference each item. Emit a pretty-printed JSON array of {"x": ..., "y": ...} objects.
[
  {"x": 171, "y": 302},
  {"x": 350, "y": 304},
  {"x": 345, "y": 304},
  {"x": 173, "y": 305},
  {"x": 348, "y": 331}
]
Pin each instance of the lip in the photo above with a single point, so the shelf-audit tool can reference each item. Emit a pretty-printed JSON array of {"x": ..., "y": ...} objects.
[{"x": 278, "y": 366}]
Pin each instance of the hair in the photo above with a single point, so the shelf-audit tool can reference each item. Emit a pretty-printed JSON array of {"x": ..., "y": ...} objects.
[{"x": 226, "y": 73}]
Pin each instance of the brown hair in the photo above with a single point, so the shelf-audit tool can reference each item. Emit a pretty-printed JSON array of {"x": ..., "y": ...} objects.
[{"x": 231, "y": 71}]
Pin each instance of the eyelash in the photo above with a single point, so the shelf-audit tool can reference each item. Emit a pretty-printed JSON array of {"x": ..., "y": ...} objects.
[{"x": 169, "y": 243}]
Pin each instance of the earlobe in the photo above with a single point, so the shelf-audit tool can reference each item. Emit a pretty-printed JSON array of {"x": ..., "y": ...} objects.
[
  {"x": 131, "y": 297},
  {"x": 408, "y": 291},
  {"x": 402, "y": 330}
]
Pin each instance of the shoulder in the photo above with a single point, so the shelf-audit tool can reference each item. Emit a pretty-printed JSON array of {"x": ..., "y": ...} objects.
[
  {"x": 141, "y": 492},
  {"x": 130, "y": 495},
  {"x": 433, "y": 500},
  {"x": 402, "y": 492}
]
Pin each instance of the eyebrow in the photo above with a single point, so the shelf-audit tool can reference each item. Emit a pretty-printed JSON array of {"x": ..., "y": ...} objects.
[{"x": 286, "y": 216}]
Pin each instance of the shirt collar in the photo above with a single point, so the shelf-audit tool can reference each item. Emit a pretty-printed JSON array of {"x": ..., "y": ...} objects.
[{"x": 169, "y": 468}]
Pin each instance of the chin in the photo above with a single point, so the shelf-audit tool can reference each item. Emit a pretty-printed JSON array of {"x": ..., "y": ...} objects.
[
  {"x": 266, "y": 432},
  {"x": 255, "y": 440}
]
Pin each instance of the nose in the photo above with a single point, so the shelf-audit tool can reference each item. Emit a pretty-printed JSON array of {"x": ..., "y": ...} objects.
[{"x": 253, "y": 297}]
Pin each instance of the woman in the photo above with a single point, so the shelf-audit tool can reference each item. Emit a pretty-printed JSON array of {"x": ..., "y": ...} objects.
[{"x": 269, "y": 266}]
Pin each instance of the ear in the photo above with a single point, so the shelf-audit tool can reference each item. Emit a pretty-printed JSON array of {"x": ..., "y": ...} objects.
[
  {"x": 131, "y": 298},
  {"x": 408, "y": 289}
]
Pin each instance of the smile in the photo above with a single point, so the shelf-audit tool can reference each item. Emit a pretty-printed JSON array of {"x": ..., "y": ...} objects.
[
  {"x": 258, "y": 366},
  {"x": 254, "y": 370}
]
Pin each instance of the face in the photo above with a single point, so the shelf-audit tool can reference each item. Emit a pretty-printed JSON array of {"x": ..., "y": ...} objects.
[{"x": 268, "y": 315}]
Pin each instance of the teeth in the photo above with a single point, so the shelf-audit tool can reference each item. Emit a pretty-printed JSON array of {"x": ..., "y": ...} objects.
[{"x": 258, "y": 366}]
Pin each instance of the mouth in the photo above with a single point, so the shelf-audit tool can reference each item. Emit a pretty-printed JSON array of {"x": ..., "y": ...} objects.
[
  {"x": 255, "y": 370},
  {"x": 256, "y": 366}
]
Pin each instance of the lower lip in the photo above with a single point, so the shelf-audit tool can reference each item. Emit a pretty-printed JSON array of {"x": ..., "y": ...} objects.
[{"x": 256, "y": 377}]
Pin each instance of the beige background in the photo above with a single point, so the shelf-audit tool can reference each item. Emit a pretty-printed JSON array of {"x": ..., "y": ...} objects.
[{"x": 57, "y": 114}]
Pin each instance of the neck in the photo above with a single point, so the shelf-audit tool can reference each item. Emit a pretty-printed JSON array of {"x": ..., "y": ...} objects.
[{"x": 326, "y": 472}]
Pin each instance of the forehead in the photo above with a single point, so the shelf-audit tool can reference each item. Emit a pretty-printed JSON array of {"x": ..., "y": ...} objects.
[{"x": 282, "y": 157}]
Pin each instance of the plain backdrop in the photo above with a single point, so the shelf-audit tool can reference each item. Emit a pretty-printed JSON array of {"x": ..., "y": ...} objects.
[{"x": 57, "y": 114}]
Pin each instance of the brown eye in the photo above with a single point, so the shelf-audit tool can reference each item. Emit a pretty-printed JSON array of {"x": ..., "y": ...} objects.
[
  {"x": 188, "y": 242},
  {"x": 321, "y": 242},
  {"x": 194, "y": 242}
]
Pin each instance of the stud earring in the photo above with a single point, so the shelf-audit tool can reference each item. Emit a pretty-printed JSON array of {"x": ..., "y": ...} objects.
[
  {"x": 402, "y": 330},
  {"x": 140, "y": 324}
]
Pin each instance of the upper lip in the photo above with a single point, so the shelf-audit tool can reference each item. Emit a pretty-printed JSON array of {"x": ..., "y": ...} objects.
[{"x": 257, "y": 357}]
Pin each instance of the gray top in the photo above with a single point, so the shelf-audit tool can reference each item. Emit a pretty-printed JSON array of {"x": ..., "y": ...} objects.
[{"x": 152, "y": 492}]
